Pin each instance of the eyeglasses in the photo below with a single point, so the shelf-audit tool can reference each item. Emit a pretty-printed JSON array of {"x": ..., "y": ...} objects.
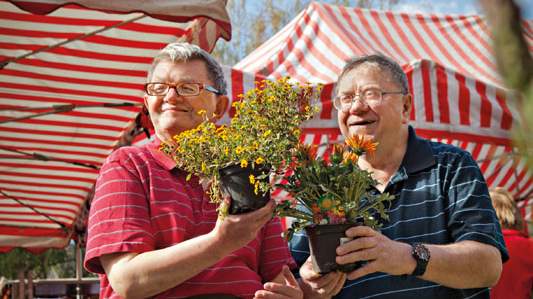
[
  {"x": 186, "y": 89},
  {"x": 370, "y": 96}
]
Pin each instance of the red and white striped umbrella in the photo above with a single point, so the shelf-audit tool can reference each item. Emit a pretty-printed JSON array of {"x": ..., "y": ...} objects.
[
  {"x": 70, "y": 86},
  {"x": 452, "y": 74}
]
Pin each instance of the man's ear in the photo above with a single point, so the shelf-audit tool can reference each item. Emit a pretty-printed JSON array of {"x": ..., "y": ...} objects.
[
  {"x": 222, "y": 105},
  {"x": 407, "y": 106}
]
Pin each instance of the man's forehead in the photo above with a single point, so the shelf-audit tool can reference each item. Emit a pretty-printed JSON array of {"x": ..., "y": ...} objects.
[{"x": 367, "y": 72}]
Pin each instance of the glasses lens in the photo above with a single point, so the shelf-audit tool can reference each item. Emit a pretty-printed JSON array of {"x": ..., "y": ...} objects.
[
  {"x": 189, "y": 89},
  {"x": 157, "y": 89},
  {"x": 371, "y": 94}
]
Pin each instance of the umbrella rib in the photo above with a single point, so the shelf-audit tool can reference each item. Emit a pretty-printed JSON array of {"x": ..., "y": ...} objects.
[
  {"x": 41, "y": 157},
  {"x": 63, "y": 227},
  {"x": 82, "y": 36},
  {"x": 60, "y": 109}
]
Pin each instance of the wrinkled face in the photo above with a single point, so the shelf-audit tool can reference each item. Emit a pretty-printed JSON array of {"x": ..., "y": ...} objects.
[
  {"x": 172, "y": 113},
  {"x": 376, "y": 120}
]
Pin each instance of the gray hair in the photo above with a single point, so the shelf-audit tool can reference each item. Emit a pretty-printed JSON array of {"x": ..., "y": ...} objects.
[
  {"x": 384, "y": 63},
  {"x": 180, "y": 52}
]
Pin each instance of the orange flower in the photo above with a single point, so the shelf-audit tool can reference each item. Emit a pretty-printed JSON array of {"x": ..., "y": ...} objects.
[
  {"x": 309, "y": 151},
  {"x": 350, "y": 156},
  {"x": 359, "y": 145}
]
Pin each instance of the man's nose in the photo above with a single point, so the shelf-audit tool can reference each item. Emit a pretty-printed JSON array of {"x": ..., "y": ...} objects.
[
  {"x": 172, "y": 96},
  {"x": 358, "y": 104}
]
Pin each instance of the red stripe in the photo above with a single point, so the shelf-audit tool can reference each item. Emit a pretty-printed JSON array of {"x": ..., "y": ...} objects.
[
  {"x": 518, "y": 179},
  {"x": 236, "y": 88},
  {"x": 403, "y": 37},
  {"x": 464, "y": 100},
  {"x": 377, "y": 42},
  {"x": 486, "y": 106},
  {"x": 332, "y": 50},
  {"x": 507, "y": 117},
  {"x": 49, "y": 176},
  {"x": 386, "y": 34},
  {"x": 12, "y": 46},
  {"x": 100, "y": 56},
  {"x": 78, "y": 125},
  {"x": 479, "y": 40},
  {"x": 331, "y": 19},
  {"x": 106, "y": 95},
  {"x": 332, "y": 131},
  {"x": 467, "y": 40},
  {"x": 53, "y": 151},
  {"x": 364, "y": 46},
  {"x": 436, "y": 40},
  {"x": 526, "y": 186},
  {"x": 50, "y": 203},
  {"x": 429, "y": 133},
  {"x": 476, "y": 150},
  {"x": 442, "y": 94},
  {"x": 56, "y": 133},
  {"x": 78, "y": 170},
  {"x": 60, "y": 202},
  {"x": 62, "y": 159},
  {"x": 88, "y": 146},
  {"x": 35, "y": 184},
  {"x": 426, "y": 85},
  {"x": 30, "y": 221},
  {"x": 81, "y": 68},
  {"x": 54, "y": 216},
  {"x": 31, "y": 232},
  {"x": 459, "y": 51},
  {"x": 153, "y": 28},
  {"x": 509, "y": 174},
  {"x": 488, "y": 159},
  {"x": 122, "y": 42},
  {"x": 33, "y": 18},
  {"x": 35, "y": 33},
  {"x": 416, "y": 34},
  {"x": 326, "y": 101},
  {"x": 409, "y": 70},
  {"x": 25, "y": 74}
]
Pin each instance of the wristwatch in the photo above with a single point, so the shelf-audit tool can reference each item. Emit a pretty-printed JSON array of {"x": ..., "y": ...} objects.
[{"x": 421, "y": 255}]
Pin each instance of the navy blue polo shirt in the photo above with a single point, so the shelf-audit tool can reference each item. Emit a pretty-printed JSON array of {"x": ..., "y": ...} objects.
[{"x": 440, "y": 198}]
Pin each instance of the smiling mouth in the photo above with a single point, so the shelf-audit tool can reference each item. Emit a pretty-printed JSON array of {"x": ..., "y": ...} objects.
[
  {"x": 362, "y": 123},
  {"x": 178, "y": 109}
]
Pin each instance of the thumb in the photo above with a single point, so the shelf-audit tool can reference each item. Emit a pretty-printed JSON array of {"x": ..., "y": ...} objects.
[{"x": 289, "y": 278}]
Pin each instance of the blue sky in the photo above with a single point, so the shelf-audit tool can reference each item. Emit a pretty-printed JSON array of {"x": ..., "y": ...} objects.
[{"x": 455, "y": 7}]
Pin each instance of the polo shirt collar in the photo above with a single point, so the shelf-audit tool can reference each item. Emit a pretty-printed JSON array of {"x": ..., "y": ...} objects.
[
  {"x": 162, "y": 159},
  {"x": 418, "y": 155}
]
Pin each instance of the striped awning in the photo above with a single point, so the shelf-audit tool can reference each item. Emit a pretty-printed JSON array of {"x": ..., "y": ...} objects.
[
  {"x": 458, "y": 95},
  {"x": 70, "y": 89}
]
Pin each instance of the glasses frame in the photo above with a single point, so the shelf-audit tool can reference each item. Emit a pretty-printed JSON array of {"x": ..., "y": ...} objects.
[
  {"x": 336, "y": 100},
  {"x": 201, "y": 86}
]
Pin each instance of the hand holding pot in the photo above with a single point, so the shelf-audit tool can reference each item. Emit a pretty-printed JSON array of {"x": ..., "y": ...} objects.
[
  {"x": 382, "y": 253},
  {"x": 315, "y": 285},
  {"x": 234, "y": 231}
]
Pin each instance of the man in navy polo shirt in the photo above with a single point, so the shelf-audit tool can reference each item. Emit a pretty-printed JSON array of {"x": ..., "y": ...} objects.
[{"x": 443, "y": 239}]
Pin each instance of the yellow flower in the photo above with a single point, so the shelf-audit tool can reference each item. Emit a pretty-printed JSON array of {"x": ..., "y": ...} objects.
[
  {"x": 201, "y": 112},
  {"x": 267, "y": 133},
  {"x": 244, "y": 163},
  {"x": 252, "y": 179},
  {"x": 256, "y": 188},
  {"x": 204, "y": 167},
  {"x": 259, "y": 160},
  {"x": 239, "y": 150},
  {"x": 326, "y": 204}
]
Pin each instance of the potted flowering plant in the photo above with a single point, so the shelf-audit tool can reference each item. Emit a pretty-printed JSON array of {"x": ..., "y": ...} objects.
[
  {"x": 331, "y": 195},
  {"x": 239, "y": 158}
]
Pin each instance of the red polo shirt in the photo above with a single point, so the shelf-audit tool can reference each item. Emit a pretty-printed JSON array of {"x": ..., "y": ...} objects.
[
  {"x": 142, "y": 203},
  {"x": 516, "y": 280}
]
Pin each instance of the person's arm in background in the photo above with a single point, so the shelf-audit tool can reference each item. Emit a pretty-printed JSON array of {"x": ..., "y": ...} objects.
[{"x": 141, "y": 275}]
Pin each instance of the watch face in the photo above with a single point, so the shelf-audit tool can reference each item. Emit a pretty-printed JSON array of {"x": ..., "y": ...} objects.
[{"x": 422, "y": 252}]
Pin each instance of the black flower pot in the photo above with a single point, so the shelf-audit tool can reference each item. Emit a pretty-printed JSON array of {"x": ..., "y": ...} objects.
[
  {"x": 323, "y": 242},
  {"x": 235, "y": 181}
]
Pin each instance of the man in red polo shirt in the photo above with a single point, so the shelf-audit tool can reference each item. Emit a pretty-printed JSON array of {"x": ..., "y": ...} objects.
[{"x": 152, "y": 233}]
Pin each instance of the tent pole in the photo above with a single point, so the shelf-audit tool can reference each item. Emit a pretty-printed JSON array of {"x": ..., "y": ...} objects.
[{"x": 79, "y": 273}]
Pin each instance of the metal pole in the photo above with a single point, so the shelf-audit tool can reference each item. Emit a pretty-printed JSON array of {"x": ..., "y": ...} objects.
[{"x": 79, "y": 273}]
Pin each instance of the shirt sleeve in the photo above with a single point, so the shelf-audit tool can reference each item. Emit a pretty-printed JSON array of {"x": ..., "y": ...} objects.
[
  {"x": 274, "y": 251},
  {"x": 119, "y": 219},
  {"x": 471, "y": 215}
]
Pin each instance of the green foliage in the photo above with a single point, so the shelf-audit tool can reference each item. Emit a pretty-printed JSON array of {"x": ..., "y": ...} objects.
[{"x": 334, "y": 191}]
